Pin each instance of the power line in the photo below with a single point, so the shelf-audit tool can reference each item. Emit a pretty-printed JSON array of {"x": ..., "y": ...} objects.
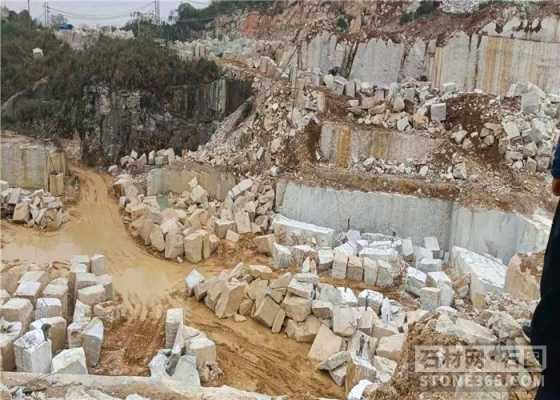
[{"x": 96, "y": 16}]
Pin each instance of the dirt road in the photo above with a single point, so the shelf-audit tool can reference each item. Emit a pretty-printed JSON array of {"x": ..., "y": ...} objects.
[{"x": 251, "y": 356}]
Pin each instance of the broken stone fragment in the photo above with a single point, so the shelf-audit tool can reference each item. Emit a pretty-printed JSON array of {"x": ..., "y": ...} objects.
[
  {"x": 174, "y": 245},
  {"x": 205, "y": 351},
  {"x": 325, "y": 344},
  {"x": 355, "y": 269},
  {"x": 28, "y": 290},
  {"x": 281, "y": 256},
  {"x": 297, "y": 308},
  {"x": 264, "y": 244},
  {"x": 156, "y": 238},
  {"x": 92, "y": 295},
  {"x": 97, "y": 262},
  {"x": 82, "y": 312},
  {"x": 344, "y": 321},
  {"x": 193, "y": 244},
  {"x": 173, "y": 322},
  {"x": 301, "y": 289},
  {"x": 334, "y": 361},
  {"x": 340, "y": 265},
  {"x": 466, "y": 330},
  {"x": 70, "y": 361},
  {"x": 186, "y": 370},
  {"x": 230, "y": 299},
  {"x": 193, "y": 279},
  {"x": 357, "y": 369},
  {"x": 9, "y": 332},
  {"x": 371, "y": 298},
  {"x": 266, "y": 311},
  {"x": 232, "y": 236},
  {"x": 391, "y": 347},
  {"x": 92, "y": 340},
  {"x": 21, "y": 213},
  {"x": 429, "y": 298},
  {"x": 438, "y": 112}
]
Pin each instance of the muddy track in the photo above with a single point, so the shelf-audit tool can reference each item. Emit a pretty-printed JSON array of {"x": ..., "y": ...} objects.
[{"x": 251, "y": 356}]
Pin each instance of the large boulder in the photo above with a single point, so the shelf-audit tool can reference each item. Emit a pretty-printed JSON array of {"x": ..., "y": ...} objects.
[{"x": 487, "y": 274}]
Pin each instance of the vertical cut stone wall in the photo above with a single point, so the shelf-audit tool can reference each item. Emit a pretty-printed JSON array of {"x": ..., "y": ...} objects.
[
  {"x": 495, "y": 232},
  {"x": 491, "y": 59},
  {"x": 29, "y": 165}
]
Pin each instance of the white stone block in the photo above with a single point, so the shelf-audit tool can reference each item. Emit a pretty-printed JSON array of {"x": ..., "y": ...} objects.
[
  {"x": 56, "y": 331},
  {"x": 107, "y": 282},
  {"x": 205, "y": 351},
  {"x": 70, "y": 361},
  {"x": 488, "y": 275},
  {"x": 98, "y": 264},
  {"x": 193, "y": 279},
  {"x": 17, "y": 309},
  {"x": 47, "y": 307},
  {"x": 429, "y": 298},
  {"x": 173, "y": 322},
  {"x": 340, "y": 264},
  {"x": 372, "y": 298},
  {"x": 284, "y": 227},
  {"x": 92, "y": 295},
  {"x": 28, "y": 290},
  {"x": 415, "y": 280},
  {"x": 9, "y": 332},
  {"x": 92, "y": 340},
  {"x": 33, "y": 353},
  {"x": 281, "y": 256},
  {"x": 431, "y": 243}
]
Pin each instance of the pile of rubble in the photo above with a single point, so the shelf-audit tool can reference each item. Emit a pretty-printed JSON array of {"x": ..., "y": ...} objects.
[
  {"x": 353, "y": 337},
  {"x": 524, "y": 137},
  {"x": 362, "y": 335},
  {"x": 264, "y": 140},
  {"x": 53, "y": 322},
  {"x": 136, "y": 163},
  {"x": 521, "y": 126},
  {"x": 193, "y": 225},
  {"x": 239, "y": 49},
  {"x": 34, "y": 208},
  {"x": 189, "y": 355}
]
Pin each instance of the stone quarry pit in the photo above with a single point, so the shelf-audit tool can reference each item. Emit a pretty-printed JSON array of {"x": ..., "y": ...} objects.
[{"x": 340, "y": 194}]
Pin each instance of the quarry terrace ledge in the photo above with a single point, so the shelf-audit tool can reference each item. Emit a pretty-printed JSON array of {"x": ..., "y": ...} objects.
[{"x": 498, "y": 233}]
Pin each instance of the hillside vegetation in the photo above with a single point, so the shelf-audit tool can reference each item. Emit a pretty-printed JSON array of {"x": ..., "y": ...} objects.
[{"x": 140, "y": 64}]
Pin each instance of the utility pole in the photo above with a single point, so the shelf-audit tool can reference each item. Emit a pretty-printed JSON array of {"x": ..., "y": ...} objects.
[
  {"x": 156, "y": 12},
  {"x": 46, "y": 12}
]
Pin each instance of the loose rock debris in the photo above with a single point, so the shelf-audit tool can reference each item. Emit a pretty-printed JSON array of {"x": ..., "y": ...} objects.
[{"x": 33, "y": 208}]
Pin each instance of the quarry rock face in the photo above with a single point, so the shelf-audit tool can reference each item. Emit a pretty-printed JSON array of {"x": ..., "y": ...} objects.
[{"x": 116, "y": 113}]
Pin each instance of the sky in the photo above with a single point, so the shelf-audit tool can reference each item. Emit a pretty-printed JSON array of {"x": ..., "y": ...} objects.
[{"x": 99, "y": 12}]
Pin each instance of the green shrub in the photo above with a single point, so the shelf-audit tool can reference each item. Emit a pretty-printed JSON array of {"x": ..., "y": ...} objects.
[
  {"x": 424, "y": 9},
  {"x": 342, "y": 24}
]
